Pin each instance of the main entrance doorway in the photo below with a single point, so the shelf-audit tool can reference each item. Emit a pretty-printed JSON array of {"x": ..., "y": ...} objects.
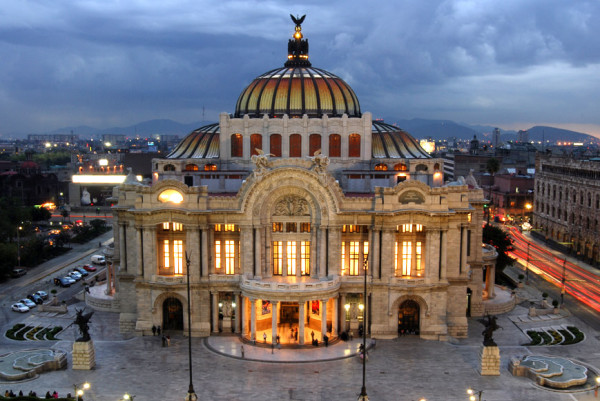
[
  {"x": 172, "y": 314},
  {"x": 408, "y": 318},
  {"x": 289, "y": 313}
]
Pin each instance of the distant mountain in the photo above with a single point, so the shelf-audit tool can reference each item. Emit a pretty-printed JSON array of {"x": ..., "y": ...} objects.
[
  {"x": 145, "y": 128},
  {"x": 539, "y": 133},
  {"x": 436, "y": 129}
]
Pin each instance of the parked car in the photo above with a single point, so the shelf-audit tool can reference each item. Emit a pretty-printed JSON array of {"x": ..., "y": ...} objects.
[
  {"x": 98, "y": 259},
  {"x": 63, "y": 281},
  {"x": 89, "y": 268},
  {"x": 36, "y": 298},
  {"x": 19, "y": 307},
  {"x": 42, "y": 294},
  {"x": 28, "y": 302},
  {"x": 82, "y": 271},
  {"x": 18, "y": 272},
  {"x": 75, "y": 275}
]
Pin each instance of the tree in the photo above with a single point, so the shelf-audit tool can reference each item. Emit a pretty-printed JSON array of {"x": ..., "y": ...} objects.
[
  {"x": 500, "y": 240},
  {"x": 40, "y": 214}
]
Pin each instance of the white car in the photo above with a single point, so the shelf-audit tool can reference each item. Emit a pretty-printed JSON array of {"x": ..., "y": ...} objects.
[
  {"x": 19, "y": 307},
  {"x": 75, "y": 276},
  {"x": 42, "y": 294},
  {"x": 28, "y": 303}
]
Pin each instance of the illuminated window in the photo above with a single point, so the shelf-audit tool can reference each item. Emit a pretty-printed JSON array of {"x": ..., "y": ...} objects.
[
  {"x": 170, "y": 195},
  {"x": 344, "y": 259},
  {"x": 191, "y": 167},
  {"x": 381, "y": 167},
  {"x": 237, "y": 145},
  {"x": 353, "y": 258},
  {"x": 335, "y": 145},
  {"x": 178, "y": 256},
  {"x": 277, "y": 257},
  {"x": 166, "y": 254},
  {"x": 406, "y": 257},
  {"x": 291, "y": 258},
  {"x": 295, "y": 145},
  {"x": 170, "y": 237},
  {"x": 218, "y": 262},
  {"x": 229, "y": 257},
  {"x": 168, "y": 167},
  {"x": 305, "y": 258},
  {"x": 277, "y": 227},
  {"x": 255, "y": 143},
  {"x": 314, "y": 144},
  {"x": 225, "y": 228},
  {"x": 396, "y": 259},
  {"x": 275, "y": 145},
  {"x": 165, "y": 226},
  {"x": 290, "y": 227},
  {"x": 177, "y": 227},
  {"x": 418, "y": 259},
  {"x": 210, "y": 167},
  {"x": 408, "y": 253},
  {"x": 400, "y": 167},
  {"x": 354, "y": 145},
  {"x": 304, "y": 227}
]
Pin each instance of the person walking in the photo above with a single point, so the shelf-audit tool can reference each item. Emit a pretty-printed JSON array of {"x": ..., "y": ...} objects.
[
  {"x": 242, "y": 352},
  {"x": 153, "y": 330},
  {"x": 326, "y": 340},
  {"x": 312, "y": 335},
  {"x": 265, "y": 337},
  {"x": 164, "y": 341},
  {"x": 158, "y": 330}
]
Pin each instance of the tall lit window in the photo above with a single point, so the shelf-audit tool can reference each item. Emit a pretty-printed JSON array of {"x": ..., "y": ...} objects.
[
  {"x": 218, "y": 262},
  {"x": 354, "y": 145},
  {"x": 396, "y": 258},
  {"x": 353, "y": 258},
  {"x": 178, "y": 256},
  {"x": 229, "y": 257},
  {"x": 277, "y": 257},
  {"x": 406, "y": 257},
  {"x": 418, "y": 259},
  {"x": 344, "y": 272},
  {"x": 291, "y": 258},
  {"x": 166, "y": 254},
  {"x": 366, "y": 253},
  {"x": 305, "y": 258}
]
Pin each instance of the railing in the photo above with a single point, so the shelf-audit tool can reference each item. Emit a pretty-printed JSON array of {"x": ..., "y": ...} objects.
[{"x": 276, "y": 286}]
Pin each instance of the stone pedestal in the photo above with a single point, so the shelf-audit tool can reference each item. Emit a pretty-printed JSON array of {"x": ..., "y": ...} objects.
[
  {"x": 84, "y": 355},
  {"x": 490, "y": 361},
  {"x": 226, "y": 325}
]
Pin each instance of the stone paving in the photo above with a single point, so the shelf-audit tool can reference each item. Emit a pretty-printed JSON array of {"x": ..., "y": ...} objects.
[{"x": 404, "y": 369}]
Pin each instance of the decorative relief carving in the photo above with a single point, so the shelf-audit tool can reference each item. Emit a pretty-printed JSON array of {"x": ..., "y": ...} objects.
[
  {"x": 411, "y": 197},
  {"x": 291, "y": 205},
  {"x": 320, "y": 162}
]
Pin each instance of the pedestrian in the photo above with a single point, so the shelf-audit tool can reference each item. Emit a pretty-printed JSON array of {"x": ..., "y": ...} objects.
[
  {"x": 153, "y": 330},
  {"x": 277, "y": 339},
  {"x": 20, "y": 393},
  {"x": 48, "y": 395},
  {"x": 55, "y": 394},
  {"x": 326, "y": 339},
  {"x": 265, "y": 337},
  {"x": 168, "y": 341},
  {"x": 242, "y": 352},
  {"x": 272, "y": 348},
  {"x": 164, "y": 341},
  {"x": 312, "y": 335},
  {"x": 296, "y": 334},
  {"x": 69, "y": 396},
  {"x": 158, "y": 330}
]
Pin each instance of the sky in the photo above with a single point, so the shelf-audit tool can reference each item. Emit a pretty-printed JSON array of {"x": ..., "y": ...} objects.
[{"x": 105, "y": 63}]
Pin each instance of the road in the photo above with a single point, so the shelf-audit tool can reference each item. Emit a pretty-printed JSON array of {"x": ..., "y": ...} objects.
[
  {"x": 567, "y": 275},
  {"x": 41, "y": 277}
]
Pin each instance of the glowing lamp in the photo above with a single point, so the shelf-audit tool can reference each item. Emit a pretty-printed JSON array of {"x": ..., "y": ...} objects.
[{"x": 170, "y": 195}]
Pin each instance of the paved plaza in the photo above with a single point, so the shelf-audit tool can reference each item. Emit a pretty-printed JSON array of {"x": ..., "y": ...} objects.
[{"x": 404, "y": 369}]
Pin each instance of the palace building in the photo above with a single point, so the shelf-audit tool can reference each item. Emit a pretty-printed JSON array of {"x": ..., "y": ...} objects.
[{"x": 278, "y": 212}]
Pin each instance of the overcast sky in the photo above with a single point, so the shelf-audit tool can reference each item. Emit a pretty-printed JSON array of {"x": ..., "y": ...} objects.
[{"x": 104, "y": 63}]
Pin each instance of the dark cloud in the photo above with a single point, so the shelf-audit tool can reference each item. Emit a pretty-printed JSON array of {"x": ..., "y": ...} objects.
[{"x": 102, "y": 63}]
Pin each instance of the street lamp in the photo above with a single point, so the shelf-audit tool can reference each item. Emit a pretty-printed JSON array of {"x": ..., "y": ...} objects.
[
  {"x": 597, "y": 385},
  {"x": 363, "y": 391},
  {"x": 80, "y": 390},
  {"x": 191, "y": 394},
  {"x": 472, "y": 393},
  {"x": 128, "y": 396},
  {"x": 19, "y": 245}
]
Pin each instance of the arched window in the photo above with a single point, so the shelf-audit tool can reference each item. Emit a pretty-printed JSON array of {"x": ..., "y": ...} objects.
[
  {"x": 314, "y": 144},
  {"x": 409, "y": 250},
  {"x": 169, "y": 167},
  {"x": 381, "y": 167},
  {"x": 421, "y": 168},
  {"x": 191, "y": 167},
  {"x": 436, "y": 166},
  {"x": 354, "y": 145},
  {"x": 295, "y": 145},
  {"x": 400, "y": 167},
  {"x": 255, "y": 143},
  {"x": 171, "y": 248},
  {"x": 237, "y": 145},
  {"x": 275, "y": 145},
  {"x": 210, "y": 167},
  {"x": 335, "y": 145}
]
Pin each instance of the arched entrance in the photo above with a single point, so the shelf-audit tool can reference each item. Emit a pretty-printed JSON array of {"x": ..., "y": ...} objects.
[
  {"x": 408, "y": 318},
  {"x": 172, "y": 314}
]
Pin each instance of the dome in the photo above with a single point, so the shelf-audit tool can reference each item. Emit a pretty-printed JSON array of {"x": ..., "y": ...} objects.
[
  {"x": 390, "y": 142},
  {"x": 295, "y": 91},
  {"x": 202, "y": 143}
]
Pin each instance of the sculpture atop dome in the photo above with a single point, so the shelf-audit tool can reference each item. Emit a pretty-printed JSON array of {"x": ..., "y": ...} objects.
[{"x": 298, "y": 47}]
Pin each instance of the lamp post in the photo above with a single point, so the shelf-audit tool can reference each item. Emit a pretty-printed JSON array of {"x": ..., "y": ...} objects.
[
  {"x": 80, "y": 390},
  {"x": 128, "y": 397},
  {"x": 597, "y": 385},
  {"x": 528, "y": 207},
  {"x": 19, "y": 228},
  {"x": 472, "y": 393},
  {"x": 191, "y": 394},
  {"x": 363, "y": 391}
]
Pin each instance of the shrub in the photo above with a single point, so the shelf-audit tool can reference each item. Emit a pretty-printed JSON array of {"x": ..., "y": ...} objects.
[
  {"x": 569, "y": 338},
  {"x": 536, "y": 339},
  {"x": 555, "y": 303},
  {"x": 557, "y": 338},
  {"x": 544, "y": 295},
  {"x": 10, "y": 333},
  {"x": 31, "y": 333},
  {"x": 52, "y": 334},
  {"x": 546, "y": 337},
  {"x": 577, "y": 333},
  {"x": 521, "y": 277},
  {"x": 19, "y": 335}
]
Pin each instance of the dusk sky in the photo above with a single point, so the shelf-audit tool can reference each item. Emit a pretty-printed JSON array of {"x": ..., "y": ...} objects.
[{"x": 511, "y": 63}]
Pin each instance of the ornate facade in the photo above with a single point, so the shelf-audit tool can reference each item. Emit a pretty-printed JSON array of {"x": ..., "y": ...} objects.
[{"x": 280, "y": 210}]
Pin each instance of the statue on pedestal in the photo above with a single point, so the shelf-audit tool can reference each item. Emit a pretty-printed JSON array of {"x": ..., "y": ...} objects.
[
  {"x": 490, "y": 326},
  {"x": 82, "y": 321}
]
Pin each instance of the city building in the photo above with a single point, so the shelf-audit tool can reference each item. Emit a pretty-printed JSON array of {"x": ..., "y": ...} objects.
[
  {"x": 567, "y": 204},
  {"x": 278, "y": 214}
]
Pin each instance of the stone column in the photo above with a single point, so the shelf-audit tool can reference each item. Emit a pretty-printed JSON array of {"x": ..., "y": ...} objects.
[
  {"x": 432, "y": 238},
  {"x": 374, "y": 252},
  {"x": 334, "y": 249},
  {"x": 192, "y": 248},
  {"x": 321, "y": 256},
  {"x": 301, "y": 319},
  {"x": 210, "y": 236},
  {"x": 257, "y": 253},
  {"x": 323, "y": 318},
  {"x": 215, "y": 313},
  {"x": 463, "y": 250},
  {"x": 140, "y": 252},
  {"x": 238, "y": 312},
  {"x": 122, "y": 249},
  {"x": 490, "y": 280},
  {"x": 335, "y": 317},
  {"x": 150, "y": 258},
  {"x": 252, "y": 319},
  {"x": 205, "y": 247},
  {"x": 387, "y": 253},
  {"x": 243, "y": 309},
  {"x": 273, "y": 321},
  {"x": 444, "y": 261},
  {"x": 343, "y": 303},
  {"x": 244, "y": 264}
]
